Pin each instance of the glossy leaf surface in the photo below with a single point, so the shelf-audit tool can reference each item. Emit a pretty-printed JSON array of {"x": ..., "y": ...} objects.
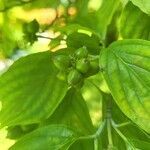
[
  {"x": 127, "y": 70},
  {"x": 144, "y": 5},
  {"x": 23, "y": 102}
]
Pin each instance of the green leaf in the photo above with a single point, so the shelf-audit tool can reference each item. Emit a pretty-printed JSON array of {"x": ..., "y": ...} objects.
[
  {"x": 53, "y": 137},
  {"x": 131, "y": 25},
  {"x": 144, "y": 5},
  {"x": 91, "y": 42},
  {"x": 10, "y": 33},
  {"x": 54, "y": 43},
  {"x": 30, "y": 29},
  {"x": 73, "y": 112},
  {"x": 97, "y": 20},
  {"x": 16, "y": 132},
  {"x": 105, "y": 14},
  {"x": 142, "y": 145},
  {"x": 83, "y": 145},
  {"x": 127, "y": 69},
  {"x": 30, "y": 90},
  {"x": 94, "y": 101},
  {"x": 124, "y": 2},
  {"x": 127, "y": 127}
]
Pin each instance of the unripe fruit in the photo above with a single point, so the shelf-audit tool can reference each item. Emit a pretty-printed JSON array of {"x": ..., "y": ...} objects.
[
  {"x": 74, "y": 77},
  {"x": 61, "y": 75},
  {"x": 81, "y": 53},
  {"x": 93, "y": 68},
  {"x": 62, "y": 62},
  {"x": 80, "y": 84},
  {"x": 82, "y": 65}
]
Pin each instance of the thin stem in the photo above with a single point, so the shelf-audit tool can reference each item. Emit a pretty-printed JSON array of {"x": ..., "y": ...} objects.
[
  {"x": 107, "y": 114},
  {"x": 95, "y": 143},
  {"x": 98, "y": 132},
  {"x": 121, "y": 135},
  {"x": 87, "y": 137},
  {"x": 109, "y": 131},
  {"x": 122, "y": 124},
  {"x": 44, "y": 37},
  {"x": 100, "y": 129}
]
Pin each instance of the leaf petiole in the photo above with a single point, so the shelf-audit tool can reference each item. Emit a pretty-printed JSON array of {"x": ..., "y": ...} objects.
[
  {"x": 98, "y": 132},
  {"x": 122, "y": 124},
  {"x": 128, "y": 144}
]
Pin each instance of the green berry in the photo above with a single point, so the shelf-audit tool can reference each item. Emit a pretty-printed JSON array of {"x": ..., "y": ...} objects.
[
  {"x": 93, "y": 68},
  {"x": 81, "y": 53},
  {"x": 61, "y": 75},
  {"x": 62, "y": 62},
  {"x": 74, "y": 77},
  {"x": 82, "y": 65}
]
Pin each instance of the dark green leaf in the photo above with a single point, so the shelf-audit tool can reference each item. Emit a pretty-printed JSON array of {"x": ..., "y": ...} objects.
[
  {"x": 91, "y": 42},
  {"x": 131, "y": 25},
  {"x": 142, "y": 145},
  {"x": 82, "y": 145},
  {"x": 30, "y": 29},
  {"x": 72, "y": 112},
  {"x": 52, "y": 137},
  {"x": 15, "y": 132},
  {"x": 127, "y": 70},
  {"x": 30, "y": 90},
  {"x": 105, "y": 14}
]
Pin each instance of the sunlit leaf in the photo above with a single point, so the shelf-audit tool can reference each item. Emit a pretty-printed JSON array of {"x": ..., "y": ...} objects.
[
  {"x": 144, "y": 5},
  {"x": 30, "y": 90},
  {"x": 127, "y": 70},
  {"x": 53, "y": 137}
]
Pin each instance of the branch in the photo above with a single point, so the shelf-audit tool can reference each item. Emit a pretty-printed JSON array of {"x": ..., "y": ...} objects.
[{"x": 44, "y": 37}]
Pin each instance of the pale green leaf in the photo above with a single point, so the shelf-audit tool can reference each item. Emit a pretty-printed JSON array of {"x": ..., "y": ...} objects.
[
  {"x": 30, "y": 90},
  {"x": 127, "y": 70},
  {"x": 144, "y": 5},
  {"x": 52, "y": 137},
  {"x": 131, "y": 25},
  {"x": 124, "y": 2}
]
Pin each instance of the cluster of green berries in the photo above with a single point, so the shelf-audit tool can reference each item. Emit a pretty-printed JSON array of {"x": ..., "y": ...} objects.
[{"x": 74, "y": 68}]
